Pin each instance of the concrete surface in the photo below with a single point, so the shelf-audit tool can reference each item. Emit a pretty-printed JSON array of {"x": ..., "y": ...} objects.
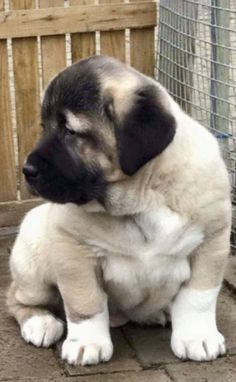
[{"x": 141, "y": 354}]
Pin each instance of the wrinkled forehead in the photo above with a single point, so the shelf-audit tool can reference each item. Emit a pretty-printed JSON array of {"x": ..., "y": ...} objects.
[
  {"x": 81, "y": 88},
  {"x": 74, "y": 89}
]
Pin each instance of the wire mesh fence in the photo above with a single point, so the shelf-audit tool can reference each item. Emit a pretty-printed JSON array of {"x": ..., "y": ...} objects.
[{"x": 196, "y": 62}]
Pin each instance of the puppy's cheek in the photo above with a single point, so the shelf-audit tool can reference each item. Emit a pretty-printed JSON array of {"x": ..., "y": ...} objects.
[{"x": 80, "y": 191}]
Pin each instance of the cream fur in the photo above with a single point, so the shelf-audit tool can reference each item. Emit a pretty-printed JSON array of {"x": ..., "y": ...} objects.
[
  {"x": 42, "y": 330},
  {"x": 178, "y": 234}
]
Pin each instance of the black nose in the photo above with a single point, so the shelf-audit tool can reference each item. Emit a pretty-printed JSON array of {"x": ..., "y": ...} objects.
[{"x": 30, "y": 170}]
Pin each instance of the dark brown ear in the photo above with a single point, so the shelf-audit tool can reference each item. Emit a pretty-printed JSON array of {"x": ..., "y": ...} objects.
[{"x": 145, "y": 132}]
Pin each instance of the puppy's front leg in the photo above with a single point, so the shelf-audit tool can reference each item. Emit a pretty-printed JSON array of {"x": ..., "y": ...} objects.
[
  {"x": 195, "y": 334},
  {"x": 88, "y": 338}
]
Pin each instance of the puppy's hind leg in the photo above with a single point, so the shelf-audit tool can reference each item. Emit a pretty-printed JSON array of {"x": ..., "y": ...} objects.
[{"x": 37, "y": 324}]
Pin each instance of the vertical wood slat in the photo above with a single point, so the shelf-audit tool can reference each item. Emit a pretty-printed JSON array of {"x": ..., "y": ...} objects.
[
  {"x": 142, "y": 52},
  {"x": 25, "y": 65},
  {"x": 82, "y": 44},
  {"x": 53, "y": 48},
  {"x": 113, "y": 43},
  {"x": 7, "y": 162}
]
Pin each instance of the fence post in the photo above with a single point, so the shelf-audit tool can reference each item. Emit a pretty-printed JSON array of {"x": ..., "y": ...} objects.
[
  {"x": 177, "y": 48},
  {"x": 142, "y": 50},
  {"x": 53, "y": 51},
  {"x": 82, "y": 44},
  {"x": 113, "y": 42},
  {"x": 7, "y": 162},
  {"x": 27, "y": 93},
  {"x": 220, "y": 58}
]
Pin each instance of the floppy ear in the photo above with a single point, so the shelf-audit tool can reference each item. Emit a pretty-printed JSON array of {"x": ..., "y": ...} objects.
[{"x": 146, "y": 130}]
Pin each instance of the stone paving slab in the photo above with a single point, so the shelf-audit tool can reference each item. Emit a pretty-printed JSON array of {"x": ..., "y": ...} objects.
[
  {"x": 221, "y": 370},
  {"x": 151, "y": 344},
  {"x": 226, "y": 319},
  {"x": 122, "y": 360},
  {"x": 230, "y": 274},
  {"x": 141, "y": 376},
  {"x": 20, "y": 360}
]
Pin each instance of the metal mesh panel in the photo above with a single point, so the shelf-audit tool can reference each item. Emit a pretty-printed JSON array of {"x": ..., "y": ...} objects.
[{"x": 196, "y": 62}]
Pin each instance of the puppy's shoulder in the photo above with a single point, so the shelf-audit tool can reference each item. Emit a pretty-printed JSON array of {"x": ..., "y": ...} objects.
[{"x": 34, "y": 226}]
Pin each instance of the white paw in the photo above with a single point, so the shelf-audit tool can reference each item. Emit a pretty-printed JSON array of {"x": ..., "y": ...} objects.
[
  {"x": 195, "y": 335},
  {"x": 42, "y": 330},
  {"x": 81, "y": 353},
  {"x": 88, "y": 342},
  {"x": 198, "y": 347}
]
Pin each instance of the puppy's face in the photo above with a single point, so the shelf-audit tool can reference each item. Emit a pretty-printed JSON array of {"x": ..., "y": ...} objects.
[{"x": 101, "y": 122}]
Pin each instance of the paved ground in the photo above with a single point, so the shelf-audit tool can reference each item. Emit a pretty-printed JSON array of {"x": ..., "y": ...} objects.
[{"x": 141, "y": 354}]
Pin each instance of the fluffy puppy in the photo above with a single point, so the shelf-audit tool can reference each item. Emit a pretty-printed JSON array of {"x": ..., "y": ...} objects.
[{"x": 139, "y": 223}]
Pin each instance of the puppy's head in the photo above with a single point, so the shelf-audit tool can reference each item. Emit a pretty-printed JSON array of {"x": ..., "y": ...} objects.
[{"x": 101, "y": 121}]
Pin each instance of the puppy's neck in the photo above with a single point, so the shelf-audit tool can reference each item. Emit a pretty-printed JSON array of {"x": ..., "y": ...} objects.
[{"x": 93, "y": 206}]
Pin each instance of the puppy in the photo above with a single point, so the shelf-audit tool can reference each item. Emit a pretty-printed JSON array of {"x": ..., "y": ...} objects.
[{"x": 138, "y": 227}]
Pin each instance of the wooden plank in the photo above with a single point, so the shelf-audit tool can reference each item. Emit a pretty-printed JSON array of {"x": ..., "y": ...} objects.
[
  {"x": 113, "y": 42},
  {"x": 82, "y": 44},
  {"x": 7, "y": 162},
  {"x": 86, "y": 18},
  {"x": 11, "y": 213},
  {"x": 25, "y": 64},
  {"x": 142, "y": 51},
  {"x": 51, "y": 47}
]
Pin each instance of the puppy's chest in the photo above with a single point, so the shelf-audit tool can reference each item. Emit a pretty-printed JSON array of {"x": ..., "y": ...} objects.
[
  {"x": 145, "y": 273},
  {"x": 143, "y": 288},
  {"x": 161, "y": 262},
  {"x": 167, "y": 233}
]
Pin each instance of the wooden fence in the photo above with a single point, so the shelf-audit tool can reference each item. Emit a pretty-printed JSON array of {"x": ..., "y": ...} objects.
[{"x": 36, "y": 43}]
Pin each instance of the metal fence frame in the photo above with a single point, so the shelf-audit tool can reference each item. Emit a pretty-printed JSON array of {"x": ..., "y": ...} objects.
[{"x": 196, "y": 62}]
